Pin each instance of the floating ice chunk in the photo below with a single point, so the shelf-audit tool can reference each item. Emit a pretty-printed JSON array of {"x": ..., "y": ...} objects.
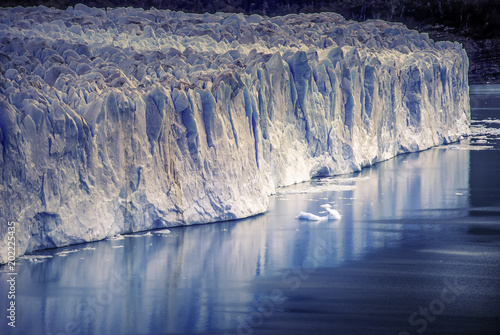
[
  {"x": 65, "y": 253},
  {"x": 333, "y": 215},
  {"x": 482, "y": 130},
  {"x": 36, "y": 258},
  {"x": 163, "y": 231},
  {"x": 311, "y": 217}
]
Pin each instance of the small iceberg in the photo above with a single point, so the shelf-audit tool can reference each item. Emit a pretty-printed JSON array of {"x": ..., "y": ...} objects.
[
  {"x": 163, "y": 231},
  {"x": 332, "y": 215},
  {"x": 65, "y": 253},
  {"x": 36, "y": 258}
]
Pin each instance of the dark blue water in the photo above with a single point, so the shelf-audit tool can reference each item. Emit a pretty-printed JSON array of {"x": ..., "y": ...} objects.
[{"x": 201, "y": 279}]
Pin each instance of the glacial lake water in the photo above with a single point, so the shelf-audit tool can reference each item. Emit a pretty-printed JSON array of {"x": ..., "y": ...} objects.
[{"x": 430, "y": 215}]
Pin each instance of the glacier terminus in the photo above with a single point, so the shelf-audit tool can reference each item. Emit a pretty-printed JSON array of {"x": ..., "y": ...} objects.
[{"x": 123, "y": 120}]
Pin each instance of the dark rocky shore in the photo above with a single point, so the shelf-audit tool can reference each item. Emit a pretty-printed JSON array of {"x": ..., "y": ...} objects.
[{"x": 484, "y": 54}]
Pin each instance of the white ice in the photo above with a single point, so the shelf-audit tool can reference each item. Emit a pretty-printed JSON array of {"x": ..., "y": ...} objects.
[
  {"x": 333, "y": 215},
  {"x": 121, "y": 120},
  {"x": 162, "y": 232}
]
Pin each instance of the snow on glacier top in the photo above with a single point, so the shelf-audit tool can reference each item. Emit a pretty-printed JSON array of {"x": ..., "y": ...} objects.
[{"x": 128, "y": 47}]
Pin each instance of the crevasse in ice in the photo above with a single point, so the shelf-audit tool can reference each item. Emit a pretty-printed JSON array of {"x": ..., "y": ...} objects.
[{"x": 121, "y": 120}]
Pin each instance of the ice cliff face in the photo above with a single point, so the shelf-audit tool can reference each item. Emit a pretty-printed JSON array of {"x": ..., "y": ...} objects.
[{"x": 125, "y": 120}]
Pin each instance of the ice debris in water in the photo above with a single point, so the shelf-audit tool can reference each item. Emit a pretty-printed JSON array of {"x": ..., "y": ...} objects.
[
  {"x": 162, "y": 232},
  {"x": 65, "y": 253},
  {"x": 36, "y": 258},
  {"x": 333, "y": 214}
]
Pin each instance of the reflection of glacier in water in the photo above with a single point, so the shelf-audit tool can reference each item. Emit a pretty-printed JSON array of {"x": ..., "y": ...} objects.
[{"x": 197, "y": 279}]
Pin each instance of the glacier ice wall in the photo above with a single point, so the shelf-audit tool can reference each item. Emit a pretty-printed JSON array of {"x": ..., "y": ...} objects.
[{"x": 122, "y": 120}]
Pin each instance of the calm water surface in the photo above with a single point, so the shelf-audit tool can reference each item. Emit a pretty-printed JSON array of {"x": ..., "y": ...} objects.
[{"x": 201, "y": 279}]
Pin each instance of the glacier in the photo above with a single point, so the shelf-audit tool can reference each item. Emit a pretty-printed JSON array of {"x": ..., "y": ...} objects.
[{"x": 122, "y": 120}]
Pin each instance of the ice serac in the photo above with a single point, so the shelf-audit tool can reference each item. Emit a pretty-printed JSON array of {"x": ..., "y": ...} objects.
[{"x": 121, "y": 120}]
